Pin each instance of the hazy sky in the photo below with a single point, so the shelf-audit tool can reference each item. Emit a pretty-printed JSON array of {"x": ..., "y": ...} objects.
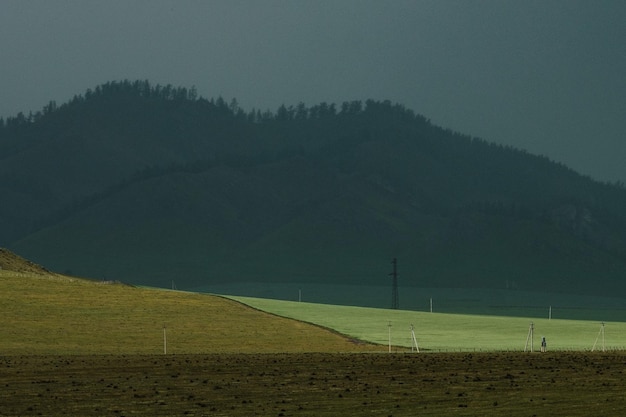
[{"x": 546, "y": 76}]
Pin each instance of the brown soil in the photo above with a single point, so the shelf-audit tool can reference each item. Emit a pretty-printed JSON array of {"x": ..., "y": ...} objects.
[{"x": 485, "y": 384}]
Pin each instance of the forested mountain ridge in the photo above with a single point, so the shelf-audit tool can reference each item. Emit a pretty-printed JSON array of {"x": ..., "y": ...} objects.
[{"x": 146, "y": 184}]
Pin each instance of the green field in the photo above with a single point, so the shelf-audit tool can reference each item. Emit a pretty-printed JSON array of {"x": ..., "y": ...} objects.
[
  {"x": 54, "y": 314},
  {"x": 476, "y": 301},
  {"x": 70, "y": 346},
  {"x": 450, "y": 332}
]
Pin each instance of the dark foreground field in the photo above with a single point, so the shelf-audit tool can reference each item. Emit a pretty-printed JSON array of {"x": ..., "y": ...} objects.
[{"x": 494, "y": 384}]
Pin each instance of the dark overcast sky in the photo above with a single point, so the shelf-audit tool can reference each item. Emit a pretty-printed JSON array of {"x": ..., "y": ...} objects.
[{"x": 546, "y": 76}]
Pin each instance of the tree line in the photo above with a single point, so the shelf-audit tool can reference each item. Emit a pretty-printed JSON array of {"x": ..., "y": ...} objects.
[{"x": 144, "y": 89}]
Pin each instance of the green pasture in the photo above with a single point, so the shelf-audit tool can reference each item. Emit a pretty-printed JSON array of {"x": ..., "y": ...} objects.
[
  {"x": 475, "y": 301},
  {"x": 450, "y": 332}
]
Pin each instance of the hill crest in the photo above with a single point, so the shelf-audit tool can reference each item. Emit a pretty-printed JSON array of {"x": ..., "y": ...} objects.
[
  {"x": 146, "y": 185},
  {"x": 9, "y": 261}
]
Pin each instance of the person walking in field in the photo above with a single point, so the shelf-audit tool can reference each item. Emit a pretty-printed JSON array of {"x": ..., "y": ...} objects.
[{"x": 544, "y": 345}]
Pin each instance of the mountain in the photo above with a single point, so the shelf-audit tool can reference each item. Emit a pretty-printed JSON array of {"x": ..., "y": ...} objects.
[{"x": 149, "y": 184}]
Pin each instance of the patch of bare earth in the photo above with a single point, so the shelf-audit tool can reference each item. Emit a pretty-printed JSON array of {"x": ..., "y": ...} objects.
[{"x": 316, "y": 384}]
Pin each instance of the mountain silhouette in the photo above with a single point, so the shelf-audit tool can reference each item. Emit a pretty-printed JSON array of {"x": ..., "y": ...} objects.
[{"x": 148, "y": 184}]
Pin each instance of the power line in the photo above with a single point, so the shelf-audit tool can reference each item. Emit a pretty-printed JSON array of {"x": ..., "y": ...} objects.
[{"x": 395, "y": 302}]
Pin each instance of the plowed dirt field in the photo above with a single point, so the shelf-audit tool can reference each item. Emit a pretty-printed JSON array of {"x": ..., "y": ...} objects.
[{"x": 317, "y": 384}]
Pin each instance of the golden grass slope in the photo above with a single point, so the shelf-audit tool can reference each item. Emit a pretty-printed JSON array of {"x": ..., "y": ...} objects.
[
  {"x": 12, "y": 262},
  {"x": 55, "y": 314}
]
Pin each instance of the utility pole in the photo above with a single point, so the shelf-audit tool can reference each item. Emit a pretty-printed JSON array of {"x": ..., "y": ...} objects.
[
  {"x": 164, "y": 341},
  {"x": 395, "y": 302},
  {"x": 531, "y": 337}
]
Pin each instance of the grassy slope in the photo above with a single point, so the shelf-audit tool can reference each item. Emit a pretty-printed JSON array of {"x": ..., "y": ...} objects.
[
  {"x": 47, "y": 314},
  {"x": 53, "y": 314},
  {"x": 12, "y": 262},
  {"x": 436, "y": 331}
]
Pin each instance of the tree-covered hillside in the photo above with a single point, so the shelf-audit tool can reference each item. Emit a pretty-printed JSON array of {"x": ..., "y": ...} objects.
[{"x": 149, "y": 184}]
